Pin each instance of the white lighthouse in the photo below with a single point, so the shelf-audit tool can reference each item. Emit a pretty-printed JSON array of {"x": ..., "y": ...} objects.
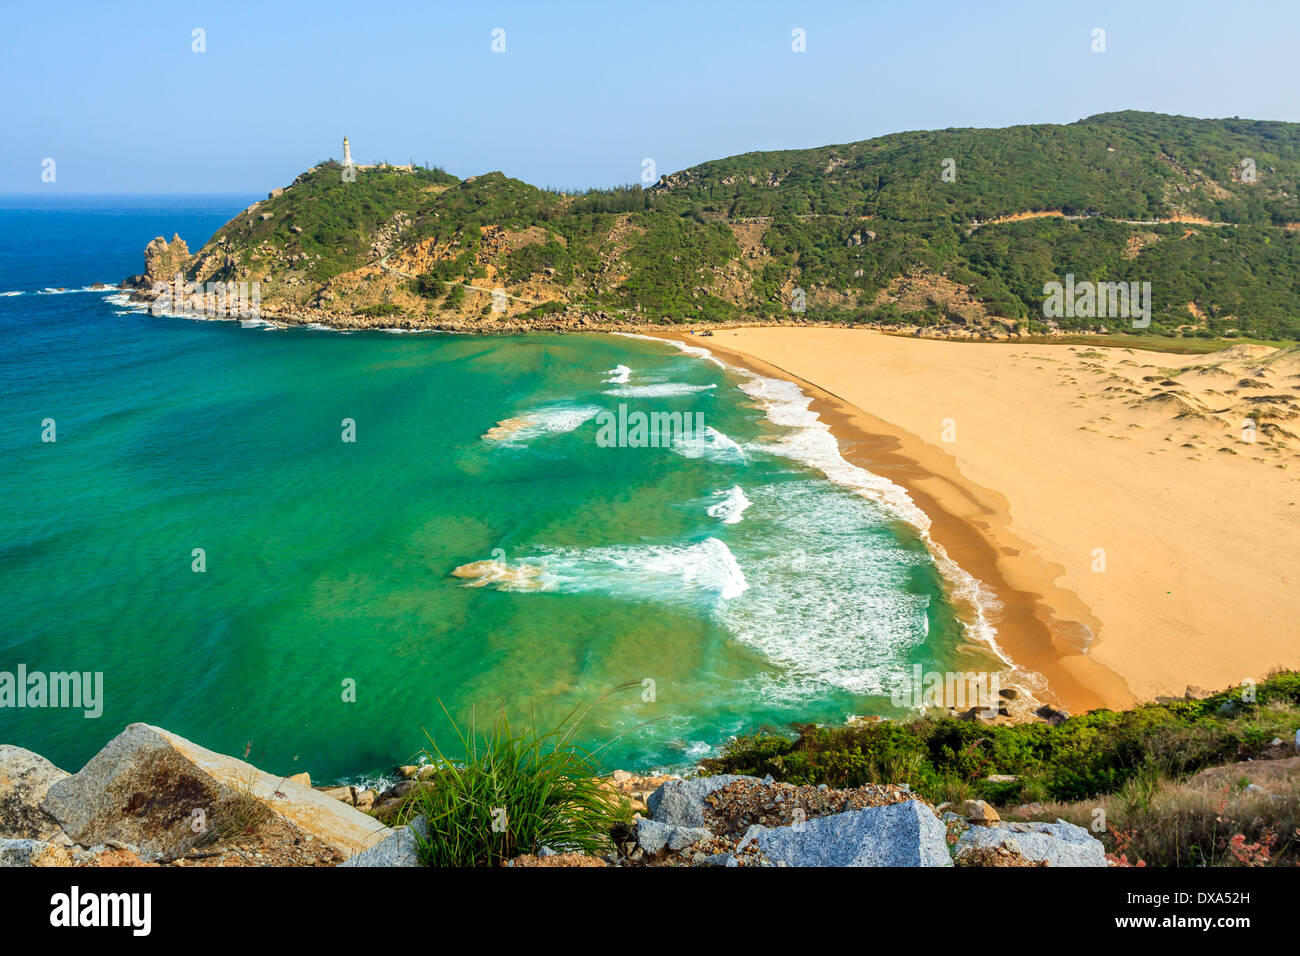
[{"x": 347, "y": 152}]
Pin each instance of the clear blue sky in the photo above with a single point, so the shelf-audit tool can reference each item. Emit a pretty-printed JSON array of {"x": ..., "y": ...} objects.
[{"x": 585, "y": 91}]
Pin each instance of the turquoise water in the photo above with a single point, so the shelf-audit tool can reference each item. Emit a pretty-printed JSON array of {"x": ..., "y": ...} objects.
[{"x": 329, "y": 563}]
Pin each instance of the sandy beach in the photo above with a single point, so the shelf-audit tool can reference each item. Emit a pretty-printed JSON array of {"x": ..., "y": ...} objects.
[{"x": 1134, "y": 511}]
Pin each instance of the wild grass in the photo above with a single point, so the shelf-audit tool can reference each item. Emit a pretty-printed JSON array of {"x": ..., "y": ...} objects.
[
  {"x": 241, "y": 814},
  {"x": 1157, "y": 821},
  {"x": 507, "y": 792}
]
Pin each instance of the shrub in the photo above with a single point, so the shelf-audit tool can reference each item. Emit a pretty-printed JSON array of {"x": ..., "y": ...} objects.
[
  {"x": 1096, "y": 753},
  {"x": 511, "y": 793}
]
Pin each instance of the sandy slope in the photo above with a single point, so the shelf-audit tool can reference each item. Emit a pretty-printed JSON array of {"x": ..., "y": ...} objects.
[{"x": 1108, "y": 492}]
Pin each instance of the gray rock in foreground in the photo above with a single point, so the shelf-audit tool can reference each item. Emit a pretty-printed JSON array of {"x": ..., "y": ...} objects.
[
  {"x": 1059, "y": 843},
  {"x": 400, "y": 849},
  {"x": 653, "y": 836},
  {"x": 25, "y": 778},
  {"x": 32, "y": 853},
  {"x": 681, "y": 802},
  {"x": 160, "y": 792},
  {"x": 904, "y": 834}
]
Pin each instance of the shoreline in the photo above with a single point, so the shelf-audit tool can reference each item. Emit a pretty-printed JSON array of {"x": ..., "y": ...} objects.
[
  {"x": 1134, "y": 511},
  {"x": 1038, "y": 624},
  {"x": 1187, "y": 607}
]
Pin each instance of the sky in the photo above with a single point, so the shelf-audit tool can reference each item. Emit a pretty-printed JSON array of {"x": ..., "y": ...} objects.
[{"x": 580, "y": 94}]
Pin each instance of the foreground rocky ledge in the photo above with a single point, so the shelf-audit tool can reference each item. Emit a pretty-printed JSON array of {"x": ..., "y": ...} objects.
[{"x": 151, "y": 798}]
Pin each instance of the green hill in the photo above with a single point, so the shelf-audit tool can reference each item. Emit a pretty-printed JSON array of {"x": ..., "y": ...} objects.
[{"x": 957, "y": 229}]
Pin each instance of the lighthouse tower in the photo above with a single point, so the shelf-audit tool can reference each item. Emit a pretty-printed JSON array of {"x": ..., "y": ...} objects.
[{"x": 347, "y": 152}]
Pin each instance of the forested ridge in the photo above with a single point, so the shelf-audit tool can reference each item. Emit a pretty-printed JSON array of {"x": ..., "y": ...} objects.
[{"x": 956, "y": 227}]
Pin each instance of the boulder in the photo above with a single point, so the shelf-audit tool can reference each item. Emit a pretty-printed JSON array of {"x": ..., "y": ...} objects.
[
  {"x": 346, "y": 794},
  {"x": 387, "y": 809},
  {"x": 33, "y": 853},
  {"x": 1053, "y": 715},
  {"x": 1059, "y": 843},
  {"x": 399, "y": 849},
  {"x": 902, "y": 834},
  {"x": 162, "y": 793},
  {"x": 653, "y": 836},
  {"x": 24, "y": 779},
  {"x": 977, "y": 811},
  {"x": 300, "y": 778},
  {"x": 681, "y": 802}
]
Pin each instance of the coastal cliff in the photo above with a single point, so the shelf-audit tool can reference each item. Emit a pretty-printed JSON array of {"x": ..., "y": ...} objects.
[{"x": 949, "y": 232}]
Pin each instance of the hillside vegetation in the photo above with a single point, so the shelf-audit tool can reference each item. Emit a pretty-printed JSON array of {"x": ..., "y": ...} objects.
[
  {"x": 1176, "y": 781},
  {"x": 1207, "y": 211}
]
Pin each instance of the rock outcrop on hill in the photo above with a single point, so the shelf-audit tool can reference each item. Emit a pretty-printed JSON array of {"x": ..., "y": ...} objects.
[{"x": 163, "y": 261}]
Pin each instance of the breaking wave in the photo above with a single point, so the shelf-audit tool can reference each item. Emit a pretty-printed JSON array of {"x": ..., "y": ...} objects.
[
  {"x": 711, "y": 445},
  {"x": 731, "y": 508},
  {"x": 659, "y": 390}
]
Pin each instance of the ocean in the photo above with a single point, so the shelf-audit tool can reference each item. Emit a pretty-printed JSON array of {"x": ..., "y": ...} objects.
[{"x": 201, "y": 532}]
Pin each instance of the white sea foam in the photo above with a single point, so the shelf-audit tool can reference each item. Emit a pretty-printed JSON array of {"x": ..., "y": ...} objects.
[
  {"x": 659, "y": 390},
  {"x": 688, "y": 349},
  {"x": 619, "y": 375},
  {"x": 123, "y": 300},
  {"x": 731, "y": 508},
  {"x": 7, "y": 295},
  {"x": 104, "y": 287},
  {"x": 651, "y": 570},
  {"x": 706, "y": 570},
  {"x": 831, "y": 601},
  {"x": 538, "y": 422},
  {"x": 711, "y": 445},
  {"x": 810, "y": 442}
]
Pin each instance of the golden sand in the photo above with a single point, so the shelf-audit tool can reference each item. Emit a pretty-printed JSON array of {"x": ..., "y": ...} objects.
[{"x": 1134, "y": 511}]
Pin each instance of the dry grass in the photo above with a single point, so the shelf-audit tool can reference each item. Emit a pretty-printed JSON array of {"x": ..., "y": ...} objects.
[{"x": 1213, "y": 818}]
